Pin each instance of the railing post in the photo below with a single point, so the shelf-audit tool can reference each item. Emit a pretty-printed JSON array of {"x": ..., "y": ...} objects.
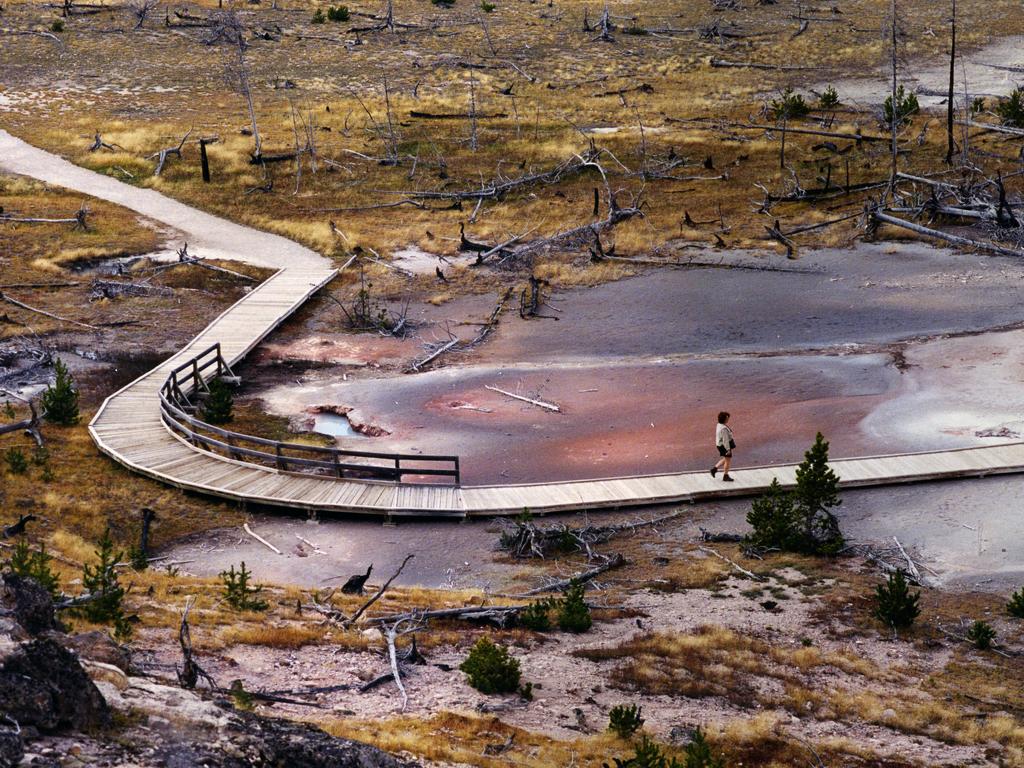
[
  {"x": 337, "y": 464},
  {"x": 282, "y": 464},
  {"x": 458, "y": 474},
  {"x": 398, "y": 469},
  {"x": 196, "y": 379},
  {"x": 234, "y": 454}
]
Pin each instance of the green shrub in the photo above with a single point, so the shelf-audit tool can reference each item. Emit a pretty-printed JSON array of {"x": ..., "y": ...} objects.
[
  {"x": 829, "y": 98},
  {"x": 789, "y": 105},
  {"x": 906, "y": 105},
  {"x": 338, "y": 14},
  {"x": 318, "y": 17},
  {"x": 625, "y": 720},
  {"x": 9, "y": 412},
  {"x": 443, "y": 3},
  {"x": 487, "y": 7},
  {"x": 772, "y": 519},
  {"x": 537, "y": 616},
  {"x": 1015, "y": 606},
  {"x": 1011, "y": 110},
  {"x": 981, "y": 635},
  {"x": 238, "y": 593},
  {"x": 490, "y": 668},
  {"x": 219, "y": 404},
  {"x": 648, "y": 754},
  {"x": 34, "y": 564},
  {"x": 698, "y": 753},
  {"x": 60, "y": 400},
  {"x": 895, "y": 604},
  {"x": 57, "y": 26},
  {"x": 17, "y": 463},
  {"x": 801, "y": 521},
  {"x": 101, "y": 582},
  {"x": 573, "y": 612},
  {"x": 635, "y": 29}
]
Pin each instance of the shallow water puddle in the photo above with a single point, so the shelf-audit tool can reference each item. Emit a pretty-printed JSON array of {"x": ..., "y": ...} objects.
[{"x": 335, "y": 425}]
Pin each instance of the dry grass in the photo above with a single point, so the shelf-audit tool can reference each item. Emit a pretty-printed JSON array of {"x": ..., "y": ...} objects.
[{"x": 539, "y": 131}]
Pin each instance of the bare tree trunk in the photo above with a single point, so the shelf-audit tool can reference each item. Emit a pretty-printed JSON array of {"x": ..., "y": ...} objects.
[
  {"x": 894, "y": 107},
  {"x": 951, "y": 144}
]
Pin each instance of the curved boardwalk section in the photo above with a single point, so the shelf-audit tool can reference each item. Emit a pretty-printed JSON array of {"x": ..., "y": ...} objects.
[{"x": 128, "y": 427}]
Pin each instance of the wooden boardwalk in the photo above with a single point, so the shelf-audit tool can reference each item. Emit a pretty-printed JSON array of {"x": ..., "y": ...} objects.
[{"x": 128, "y": 426}]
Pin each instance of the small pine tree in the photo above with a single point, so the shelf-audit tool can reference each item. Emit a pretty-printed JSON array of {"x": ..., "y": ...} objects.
[
  {"x": 816, "y": 494},
  {"x": 981, "y": 634},
  {"x": 17, "y": 463},
  {"x": 573, "y": 612},
  {"x": 906, "y": 105},
  {"x": 340, "y": 13},
  {"x": 101, "y": 582},
  {"x": 1015, "y": 606},
  {"x": 60, "y": 399},
  {"x": 895, "y": 604},
  {"x": 772, "y": 520},
  {"x": 318, "y": 17},
  {"x": 625, "y": 720},
  {"x": 698, "y": 753},
  {"x": 34, "y": 564},
  {"x": 219, "y": 403},
  {"x": 1011, "y": 111},
  {"x": 829, "y": 98},
  {"x": 536, "y": 616},
  {"x": 789, "y": 105},
  {"x": 490, "y": 668},
  {"x": 238, "y": 593}
]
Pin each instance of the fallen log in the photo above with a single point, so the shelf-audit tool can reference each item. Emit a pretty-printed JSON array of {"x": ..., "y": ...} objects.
[
  {"x": 615, "y": 561},
  {"x": 456, "y": 115},
  {"x": 11, "y": 300},
  {"x": 531, "y": 401},
  {"x": 716, "y": 125},
  {"x": 878, "y": 216},
  {"x": 722, "y": 63}
]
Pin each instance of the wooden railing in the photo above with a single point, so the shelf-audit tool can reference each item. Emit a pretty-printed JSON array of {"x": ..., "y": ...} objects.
[{"x": 189, "y": 380}]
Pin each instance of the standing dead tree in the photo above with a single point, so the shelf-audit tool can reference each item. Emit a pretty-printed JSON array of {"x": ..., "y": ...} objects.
[
  {"x": 227, "y": 27},
  {"x": 190, "y": 673},
  {"x": 606, "y": 26},
  {"x": 950, "y": 141},
  {"x": 141, "y": 10},
  {"x": 387, "y": 135}
]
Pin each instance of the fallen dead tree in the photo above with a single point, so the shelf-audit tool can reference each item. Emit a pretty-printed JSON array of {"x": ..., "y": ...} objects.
[
  {"x": 524, "y": 539},
  {"x": 497, "y": 189},
  {"x": 876, "y": 217},
  {"x": 111, "y": 289},
  {"x": 29, "y": 426},
  {"x": 78, "y": 220},
  {"x": 11, "y": 300}
]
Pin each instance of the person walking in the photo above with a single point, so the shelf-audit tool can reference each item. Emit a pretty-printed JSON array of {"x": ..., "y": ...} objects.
[{"x": 725, "y": 443}]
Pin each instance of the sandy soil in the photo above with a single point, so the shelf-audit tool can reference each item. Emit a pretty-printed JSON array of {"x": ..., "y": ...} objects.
[
  {"x": 572, "y": 695},
  {"x": 930, "y": 79}
]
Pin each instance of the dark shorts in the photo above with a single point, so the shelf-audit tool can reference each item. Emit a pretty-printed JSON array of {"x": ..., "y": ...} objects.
[{"x": 723, "y": 452}]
